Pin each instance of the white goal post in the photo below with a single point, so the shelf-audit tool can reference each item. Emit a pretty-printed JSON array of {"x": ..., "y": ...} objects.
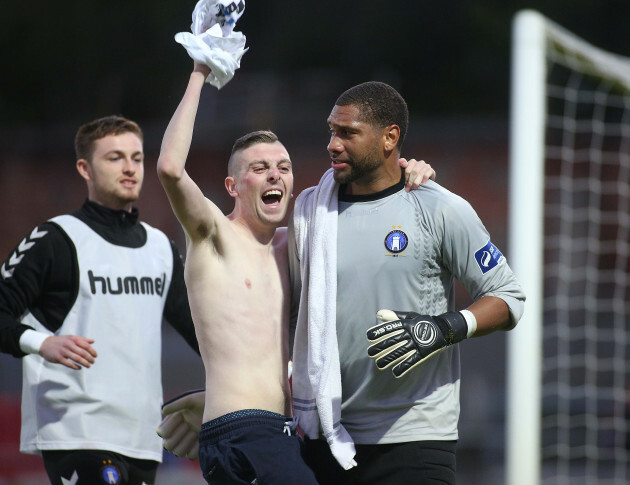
[{"x": 568, "y": 376}]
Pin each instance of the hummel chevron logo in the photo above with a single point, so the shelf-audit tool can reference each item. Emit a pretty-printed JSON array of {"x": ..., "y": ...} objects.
[
  {"x": 73, "y": 479},
  {"x": 15, "y": 258}
]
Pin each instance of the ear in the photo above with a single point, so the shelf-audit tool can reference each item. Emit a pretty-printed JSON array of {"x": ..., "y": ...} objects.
[
  {"x": 83, "y": 167},
  {"x": 230, "y": 185},
  {"x": 391, "y": 135}
]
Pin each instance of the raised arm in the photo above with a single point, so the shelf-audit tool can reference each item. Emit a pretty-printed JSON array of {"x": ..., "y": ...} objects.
[{"x": 195, "y": 212}]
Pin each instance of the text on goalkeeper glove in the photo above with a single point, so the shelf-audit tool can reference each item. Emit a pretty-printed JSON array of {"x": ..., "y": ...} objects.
[{"x": 413, "y": 338}]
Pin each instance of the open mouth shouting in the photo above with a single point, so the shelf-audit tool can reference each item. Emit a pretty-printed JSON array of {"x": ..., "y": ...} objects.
[{"x": 272, "y": 197}]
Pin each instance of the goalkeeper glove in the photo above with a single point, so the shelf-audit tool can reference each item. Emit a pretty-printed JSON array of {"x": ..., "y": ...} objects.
[
  {"x": 182, "y": 422},
  {"x": 406, "y": 339}
]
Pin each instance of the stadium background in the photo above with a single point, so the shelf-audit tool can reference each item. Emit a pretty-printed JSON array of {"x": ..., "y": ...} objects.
[{"x": 64, "y": 63}]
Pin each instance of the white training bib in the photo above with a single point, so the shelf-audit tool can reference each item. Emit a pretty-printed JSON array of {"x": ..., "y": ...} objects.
[{"x": 115, "y": 404}]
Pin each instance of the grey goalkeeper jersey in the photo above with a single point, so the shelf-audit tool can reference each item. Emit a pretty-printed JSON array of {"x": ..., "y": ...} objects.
[{"x": 401, "y": 251}]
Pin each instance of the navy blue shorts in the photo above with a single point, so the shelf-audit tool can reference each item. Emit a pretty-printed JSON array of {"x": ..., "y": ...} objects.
[{"x": 252, "y": 446}]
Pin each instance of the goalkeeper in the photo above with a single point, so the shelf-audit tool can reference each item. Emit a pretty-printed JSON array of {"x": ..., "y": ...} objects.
[
  {"x": 387, "y": 415},
  {"x": 92, "y": 418}
]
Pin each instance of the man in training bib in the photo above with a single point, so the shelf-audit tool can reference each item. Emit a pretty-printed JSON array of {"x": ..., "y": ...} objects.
[{"x": 97, "y": 279}]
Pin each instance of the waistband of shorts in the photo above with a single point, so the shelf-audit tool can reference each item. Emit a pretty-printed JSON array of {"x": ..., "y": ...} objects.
[{"x": 244, "y": 418}]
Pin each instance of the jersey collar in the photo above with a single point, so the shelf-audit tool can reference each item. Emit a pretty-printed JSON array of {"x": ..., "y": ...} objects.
[{"x": 343, "y": 197}]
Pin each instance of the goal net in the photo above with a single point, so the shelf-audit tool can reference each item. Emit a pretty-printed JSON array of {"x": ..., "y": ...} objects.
[{"x": 568, "y": 414}]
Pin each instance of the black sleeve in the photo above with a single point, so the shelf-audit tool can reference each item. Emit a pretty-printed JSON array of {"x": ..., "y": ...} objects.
[
  {"x": 177, "y": 309},
  {"x": 37, "y": 276}
]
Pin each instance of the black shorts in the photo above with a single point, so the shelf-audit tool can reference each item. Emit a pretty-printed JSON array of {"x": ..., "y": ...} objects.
[
  {"x": 252, "y": 446},
  {"x": 417, "y": 462},
  {"x": 97, "y": 467}
]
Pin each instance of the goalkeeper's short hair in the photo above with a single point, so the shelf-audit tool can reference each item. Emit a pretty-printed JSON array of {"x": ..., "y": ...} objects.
[{"x": 379, "y": 105}]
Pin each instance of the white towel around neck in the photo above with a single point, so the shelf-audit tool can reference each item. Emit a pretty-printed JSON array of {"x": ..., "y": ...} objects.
[{"x": 316, "y": 373}]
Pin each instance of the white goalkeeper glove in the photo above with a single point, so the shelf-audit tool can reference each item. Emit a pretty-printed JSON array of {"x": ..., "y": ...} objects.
[
  {"x": 182, "y": 422},
  {"x": 406, "y": 339}
]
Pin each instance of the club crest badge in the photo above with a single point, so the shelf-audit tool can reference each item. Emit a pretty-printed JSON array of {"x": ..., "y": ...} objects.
[
  {"x": 396, "y": 241},
  {"x": 110, "y": 475}
]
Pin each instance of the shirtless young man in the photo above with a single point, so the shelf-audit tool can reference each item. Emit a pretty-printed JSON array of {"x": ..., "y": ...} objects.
[{"x": 237, "y": 277}]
